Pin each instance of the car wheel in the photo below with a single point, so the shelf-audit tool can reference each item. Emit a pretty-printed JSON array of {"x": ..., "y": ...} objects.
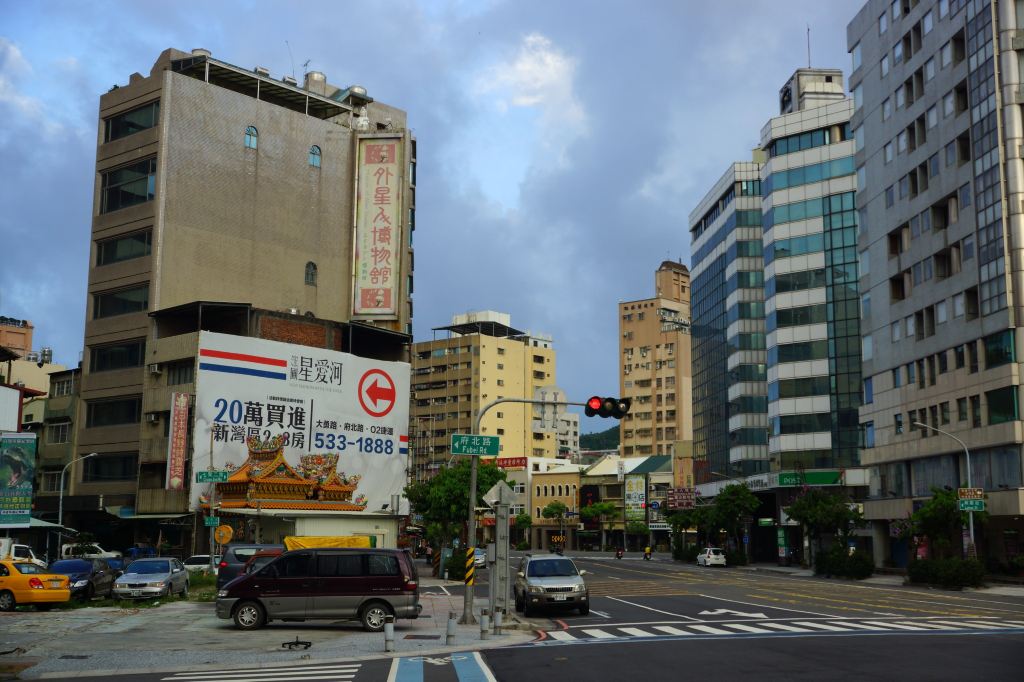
[
  {"x": 184, "y": 591},
  {"x": 584, "y": 609},
  {"x": 527, "y": 611},
  {"x": 249, "y": 615},
  {"x": 89, "y": 592},
  {"x": 374, "y": 615},
  {"x": 7, "y": 601}
]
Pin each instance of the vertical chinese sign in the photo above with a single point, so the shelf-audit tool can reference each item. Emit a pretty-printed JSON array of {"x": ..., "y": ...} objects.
[
  {"x": 636, "y": 497},
  {"x": 177, "y": 441},
  {"x": 378, "y": 231},
  {"x": 17, "y": 470}
]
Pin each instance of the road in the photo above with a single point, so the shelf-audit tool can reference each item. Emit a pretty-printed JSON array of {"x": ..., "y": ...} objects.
[{"x": 672, "y": 620}]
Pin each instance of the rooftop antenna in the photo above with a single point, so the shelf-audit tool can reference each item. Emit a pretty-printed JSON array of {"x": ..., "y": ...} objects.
[
  {"x": 305, "y": 68},
  {"x": 291, "y": 57},
  {"x": 808, "y": 46}
]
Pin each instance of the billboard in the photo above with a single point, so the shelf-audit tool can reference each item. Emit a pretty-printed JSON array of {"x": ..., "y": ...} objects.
[
  {"x": 340, "y": 420},
  {"x": 177, "y": 441},
  {"x": 636, "y": 497},
  {"x": 378, "y": 237},
  {"x": 17, "y": 470}
]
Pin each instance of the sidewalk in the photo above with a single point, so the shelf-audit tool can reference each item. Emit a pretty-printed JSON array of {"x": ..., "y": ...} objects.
[{"x": 879, "y": 579}]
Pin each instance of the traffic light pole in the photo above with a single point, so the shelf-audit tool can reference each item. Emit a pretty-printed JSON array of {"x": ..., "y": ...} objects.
[{"x": 467, "y": 603}]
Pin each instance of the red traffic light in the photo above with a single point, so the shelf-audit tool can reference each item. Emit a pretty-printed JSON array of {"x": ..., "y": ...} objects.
[
  {"x": 594, "y": 403},
  {"x": 607, "y": 407}
]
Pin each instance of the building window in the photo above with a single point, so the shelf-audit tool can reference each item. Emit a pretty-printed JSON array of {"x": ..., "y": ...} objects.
[
  {"x": 130, "y": 122},
  {"x": 869, "y": 391},
  {"x": 869, "y": 434},
  {"x": 897, "y": 422},
  {"x": 114, "y": 412},
  {"x": 117, "y": 356},
  {"x": 128, "y": 185},
  {"x": 314, "y": 156},
  {"x": 885, "y": 66},
  {"x": 120, "y": 302},
  {"x": 61, "y": 387},
  {"x": 124, "y": 248},
  {"x": 252, "y": 137},
  {"x": 883, "y": 23},
  {"x": 311, "y": 274},
  {"x": 50, "y": 482},
  {"x": 58, "y": 433},
  {"x": 855, "y": 57},
  {"x": 961, "y": 409},
  {"x": 886, "y": 109},
  {"x": 107, "y": 468},
  {"x": 182, "y": 372},
  {"x": 1002, "y": 405}
]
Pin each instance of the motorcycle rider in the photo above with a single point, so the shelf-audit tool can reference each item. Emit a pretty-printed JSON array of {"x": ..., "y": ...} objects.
[{"x": 647, "y": 553}]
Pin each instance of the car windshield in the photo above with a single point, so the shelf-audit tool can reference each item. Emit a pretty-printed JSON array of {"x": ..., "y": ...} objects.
[
  {"x": 550, "y": 568},
  {"x": 149, "y": 567},
  {"x": 71, "y": 566},
  {"x": 259, "y": 562},
  {"x": 27, "y": 568}
]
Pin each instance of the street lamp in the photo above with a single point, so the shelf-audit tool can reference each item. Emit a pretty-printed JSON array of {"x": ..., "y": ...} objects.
[
  {"x": 60, "y": 506},
  {"x": 967, "y": 456}
]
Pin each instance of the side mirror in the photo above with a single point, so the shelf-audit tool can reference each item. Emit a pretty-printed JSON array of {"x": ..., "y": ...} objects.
[{"x": 583, "y": 571}]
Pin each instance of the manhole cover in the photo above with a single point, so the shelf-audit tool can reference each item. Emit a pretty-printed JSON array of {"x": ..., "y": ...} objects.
[
  {"x": 423, "y": 636},
  {"x": 76, "y": 656}
]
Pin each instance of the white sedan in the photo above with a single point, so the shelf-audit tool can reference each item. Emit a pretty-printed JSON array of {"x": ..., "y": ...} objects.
[{"x": 712, "y": 556}]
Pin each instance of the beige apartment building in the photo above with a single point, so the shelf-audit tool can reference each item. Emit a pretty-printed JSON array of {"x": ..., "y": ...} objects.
[
  {"x": 221, "y": 191},
  {"x": 559, "y": 484},
  {"x": 478, "y": 358},
  {"x": 654, "y": 365},
  {"x": 16, "y": 335}
]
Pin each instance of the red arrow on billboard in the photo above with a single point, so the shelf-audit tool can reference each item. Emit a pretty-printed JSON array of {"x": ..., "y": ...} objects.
[{"x": 376, "y": 393}]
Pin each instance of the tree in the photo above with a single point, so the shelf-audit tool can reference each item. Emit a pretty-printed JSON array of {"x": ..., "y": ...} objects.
[
  {"x": 444, "y": 499},
  {"x": 820, "y": 511},
  {"x": 942, "y": 522},
  {"x": 556, "y": 510},
  {"x": 523, "y": 522},
  {"x": 731, "y": 505},
  {"x": 600, "y": 511}
]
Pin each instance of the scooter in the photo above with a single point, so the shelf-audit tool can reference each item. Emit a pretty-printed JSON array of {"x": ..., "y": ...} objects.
[
  {"x": 618, "y": 553},
  {"x": 647, "y": 555}
]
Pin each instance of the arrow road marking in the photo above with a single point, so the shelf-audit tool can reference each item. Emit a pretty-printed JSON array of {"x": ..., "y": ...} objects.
[
  {"x": 781, "y": 608},
  {"x": 727, "y": 612}
]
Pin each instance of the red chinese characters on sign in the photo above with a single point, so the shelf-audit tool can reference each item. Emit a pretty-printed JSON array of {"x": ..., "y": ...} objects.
[
  {"x": 377, "y": 228},
  {"x": 506, "y": 462},
  {"x": 177, "y": 442}
]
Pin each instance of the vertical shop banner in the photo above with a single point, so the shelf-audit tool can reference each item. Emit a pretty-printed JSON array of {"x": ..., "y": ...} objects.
[
  {"x": 17, "y": 471},
  {"x": 636, "y": 497},
  {"x": 177, "y": 441},
  {"x": 378, "y": 229},
  {"x": 341, "y": 422}
]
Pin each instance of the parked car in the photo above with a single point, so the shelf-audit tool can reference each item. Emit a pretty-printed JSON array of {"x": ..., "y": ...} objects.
[
  {"x": 200, "y": 562},
  {"x": 16, "y": 552},
  {"x": 325, "y": 583},
  {"x": 479, "y": 557},
  {"x": 234, "y": 558},
  {"x": 550, "y": 580},
  {"x": 148, "y": 578},
  {"x": 116, "y": 565},
  {"x": 711, "y": 556},
  {"x": 86, "y": 550},
  {"x": 22, "y": 582},
  {"x": 88, "y": 577},
  {"x": 261, "y": 559}
]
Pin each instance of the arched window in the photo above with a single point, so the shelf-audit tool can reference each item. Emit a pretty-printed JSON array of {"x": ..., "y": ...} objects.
[
  {"x": 314, "y": 156},
  {"x": 311, "y": 274},
  {"x": 538, "y": 512},
  {"x": 574, "y": 491},
  {"x": 559, "y": 491},
  {"x": 252, "y": 137},
  {"x": 538, "y": 491},
  {"x": 545, "y": 491}
]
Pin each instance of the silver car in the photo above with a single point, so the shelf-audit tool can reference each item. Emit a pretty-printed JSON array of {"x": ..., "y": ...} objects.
[
  {"x": 149, "y": 578},
  {"x": 550, "y": 580}
]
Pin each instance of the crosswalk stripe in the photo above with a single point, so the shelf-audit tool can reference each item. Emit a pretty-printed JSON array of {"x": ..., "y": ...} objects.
[
  {"x": 710, "y": 630},
  {"x": 218, "y": 674},
  {"x": 745, "y": 628},
  {"x": 965, "y": 624},
  {"x": 561, "y": 635},
  {"x": 599, "y": 634},
  {"x": 668, "y": 629},
  {"x": 821, "y": 626},
  {"x": 784, "y": 627},
  {"x": 924, "y": 624},
  {"x": 898, "y": 626},
  {"x": 635, "y": 632},
  {"x": 862, "y": 626},
  {"x": 286, "y": 677}
]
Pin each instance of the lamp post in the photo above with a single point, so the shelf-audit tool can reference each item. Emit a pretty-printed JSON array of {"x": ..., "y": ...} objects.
[
  {"x": 967, "y": 456},
  {"x": 60, "y": 504}
]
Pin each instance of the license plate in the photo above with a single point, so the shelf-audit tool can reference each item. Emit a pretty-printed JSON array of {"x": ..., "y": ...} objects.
[
  {"x": 136, "y": 593},
  {"x": 560, "y": 597},
  {"x": 55, "y": 583}
]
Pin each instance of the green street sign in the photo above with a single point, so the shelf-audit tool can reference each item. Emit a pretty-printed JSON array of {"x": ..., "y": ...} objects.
[
  {"x": 473, "y": 444},
  {"x": 971, "y": 505},
  {"x": 766, "y": 521},
  {"x": 796, "y": 478},
  {"x": 211, "y": 521},
  {"x": 211, "y": 477}
]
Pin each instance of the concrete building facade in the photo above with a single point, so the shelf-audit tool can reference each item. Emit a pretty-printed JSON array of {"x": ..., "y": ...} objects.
[
  {"x": 938, "y": 124},
  {"x": 654, "y": 365}
]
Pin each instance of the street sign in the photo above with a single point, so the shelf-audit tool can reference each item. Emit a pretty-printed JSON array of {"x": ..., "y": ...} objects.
[
  {"x": 746, "y": 539},
  {"x": 970, "y": 493},
  {"x": 500, "y": 493},
  {"x": 972, "y": 505},
  {"x": 681, "y": 498},
  {"x": 766, "y": 521},
  {"x": 223, "y": 534},
  {"x": 546, "y": 414},
  {"x": 211, "y": 521},
  {"x": 474, "y": 444},
  {"x": 211, "y": 477}
]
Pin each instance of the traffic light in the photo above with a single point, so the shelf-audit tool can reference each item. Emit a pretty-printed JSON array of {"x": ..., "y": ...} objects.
[{"x": 607, "y": 407}]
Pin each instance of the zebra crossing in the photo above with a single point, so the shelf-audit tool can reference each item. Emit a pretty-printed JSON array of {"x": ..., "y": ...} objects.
[
  {"x": 788, "y": 628},
  {"x": 342, "y": 672}
]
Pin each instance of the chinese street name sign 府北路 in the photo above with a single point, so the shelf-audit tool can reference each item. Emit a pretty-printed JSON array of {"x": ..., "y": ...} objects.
[
  {"x": 211, "y": 521},
  {"x": 970, "y": 493},
  {"x": 972, "y": 505},
  {"x": 211, "y": 477},
  {"x": 474, "y": 444}
]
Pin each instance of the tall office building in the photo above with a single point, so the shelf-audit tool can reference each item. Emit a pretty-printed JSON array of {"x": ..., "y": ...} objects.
[
  {"x": 221, "y": 191},
  {"x": 654, "y": 357},
  {"x": 937, "y": 92},
  {"x": 475, "y": 360}
]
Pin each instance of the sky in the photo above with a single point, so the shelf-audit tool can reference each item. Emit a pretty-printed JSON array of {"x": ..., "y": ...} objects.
[{"x": 561, "y": 143}]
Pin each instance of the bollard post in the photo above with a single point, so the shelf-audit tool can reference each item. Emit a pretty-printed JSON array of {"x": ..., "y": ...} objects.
[
  {"x": 485, "y": 625},
  {"x": 389, "y": 633},
  {"x": 449, "y": 637},
  {"x": 498, "y": 618}
]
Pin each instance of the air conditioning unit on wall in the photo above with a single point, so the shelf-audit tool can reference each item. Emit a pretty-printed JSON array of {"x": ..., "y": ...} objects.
[
  {"x": 152, "y": 418},
  {"x": 155, "y": 368}
]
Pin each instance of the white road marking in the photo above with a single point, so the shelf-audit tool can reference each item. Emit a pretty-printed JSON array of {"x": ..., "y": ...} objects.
[
  {"x": 923, "y": 624},
  {"x": 667, "y": 613},
  {"x": 560, "y": 635},
  {"x": 443, "y": 588},
  {"x": 600, "y": 613},
  {"x": 288, "y": 677},
  {"x": 862, "y": 626},
  {"x": 784, "y": 627},
  {"x": 763, "y": 606},
  {"x": 821, "y": 626},
  {"x": 745, "y": 628},
  {"x": 599, "y": 634},
  {"x": 635, "y": 632},
  {"x": 339, "y": 671},
  {"x": 483, "y": 667},
  {"x": 897, "y": 626},
  {"x": 710, "y": 630},
  {"x": 668, "y": 629}
]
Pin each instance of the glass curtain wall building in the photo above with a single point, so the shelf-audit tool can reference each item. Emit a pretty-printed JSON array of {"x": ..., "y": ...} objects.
[{"x": 937, "y": 91}]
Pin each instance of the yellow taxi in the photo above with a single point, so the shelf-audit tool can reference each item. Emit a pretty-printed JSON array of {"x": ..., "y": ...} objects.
[{"x": 22, "y": 582}]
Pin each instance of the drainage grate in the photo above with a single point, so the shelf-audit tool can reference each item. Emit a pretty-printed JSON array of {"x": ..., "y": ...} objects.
[
  {"x": 423, "y": 636},
  {"x": 76, "y": 656}
]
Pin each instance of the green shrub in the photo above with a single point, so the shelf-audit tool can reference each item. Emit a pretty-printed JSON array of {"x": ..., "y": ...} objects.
[
  {"x": 859, "y": 565},
  {"x": 523, "y": 545},
  {"x": 733, "y": 558},
  {"x": 837, "y": 561},
  {"x": 953, "y": 573},
  {"x": 688, "y": 553},
  {"x": 456, "y": 566}
]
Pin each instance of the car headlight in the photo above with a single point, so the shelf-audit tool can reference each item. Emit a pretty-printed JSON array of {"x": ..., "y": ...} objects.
[
  {"x": 535, "y": 589},
  {"x": 580, "y": 588},
  {"x": 80, "y": 583},
  {"x": 222, "y": 593},
  {"x": 159, "y": 583}
]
